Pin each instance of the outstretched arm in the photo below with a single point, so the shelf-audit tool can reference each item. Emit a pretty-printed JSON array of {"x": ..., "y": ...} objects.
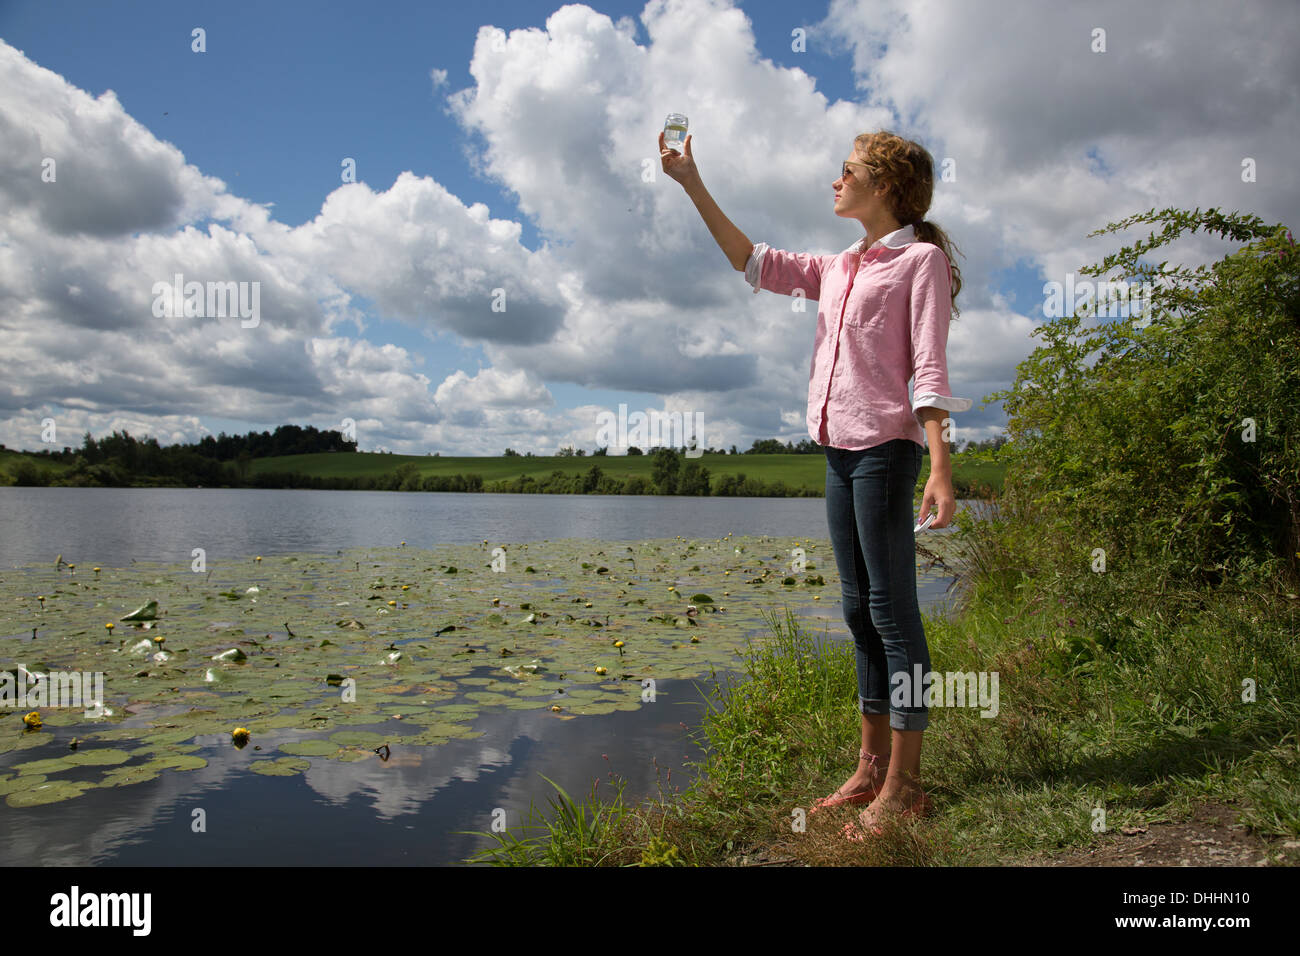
[{"x": 681, "y": 167}]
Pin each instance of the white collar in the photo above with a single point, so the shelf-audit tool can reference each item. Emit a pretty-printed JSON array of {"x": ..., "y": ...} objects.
[{"x": 895, "y": 240}]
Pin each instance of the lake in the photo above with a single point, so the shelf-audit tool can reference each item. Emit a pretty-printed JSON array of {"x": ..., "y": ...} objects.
[{"x": 404, "y": 810}]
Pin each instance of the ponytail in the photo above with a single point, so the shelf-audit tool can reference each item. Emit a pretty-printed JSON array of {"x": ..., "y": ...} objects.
[{"x": 927, "y": 231}]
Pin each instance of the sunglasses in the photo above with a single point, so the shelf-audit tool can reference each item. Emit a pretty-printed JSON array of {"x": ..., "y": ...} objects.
[{"x": 844, "y": 171}]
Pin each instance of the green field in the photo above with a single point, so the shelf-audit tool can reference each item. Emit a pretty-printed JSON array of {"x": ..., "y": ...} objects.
[
  {"x": 797, "y": 471},
  {"x": 10, "y": 459}
]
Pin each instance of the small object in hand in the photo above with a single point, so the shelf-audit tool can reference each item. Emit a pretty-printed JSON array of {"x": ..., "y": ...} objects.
[
  {"x": 922, "y": 525},
  {"x": 675, "y": 131}
]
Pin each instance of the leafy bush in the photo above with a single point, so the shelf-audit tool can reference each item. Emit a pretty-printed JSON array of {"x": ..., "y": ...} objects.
[{"x": 1174, "y": 445}]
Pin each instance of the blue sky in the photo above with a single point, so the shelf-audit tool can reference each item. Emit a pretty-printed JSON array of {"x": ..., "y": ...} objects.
[{"x": 379, "y": 287}]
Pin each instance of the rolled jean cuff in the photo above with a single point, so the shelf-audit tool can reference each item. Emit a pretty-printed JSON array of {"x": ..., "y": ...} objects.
[
  {"x": 898, "y": 720},
  {"x": 909, "y": 720}
]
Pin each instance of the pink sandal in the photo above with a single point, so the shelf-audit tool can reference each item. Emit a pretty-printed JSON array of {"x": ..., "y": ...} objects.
[
  {"x": 921, "y": 807},
  {"x": 866, "y": 796}
]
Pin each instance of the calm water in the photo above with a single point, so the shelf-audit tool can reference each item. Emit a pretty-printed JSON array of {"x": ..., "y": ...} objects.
[{"x": 404, "y": 811}]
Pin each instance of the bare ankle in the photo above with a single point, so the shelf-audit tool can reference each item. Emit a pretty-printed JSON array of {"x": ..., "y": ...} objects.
[{"x": 874, "y": 764}]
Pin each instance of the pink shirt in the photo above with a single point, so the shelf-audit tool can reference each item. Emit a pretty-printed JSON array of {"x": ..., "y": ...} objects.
[{"x": 882, "y": 317}]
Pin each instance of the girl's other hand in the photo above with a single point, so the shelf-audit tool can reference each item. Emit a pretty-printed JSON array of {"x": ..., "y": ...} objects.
[
  {"x": 940, "y": 497},
  {"x": 678, "y": 166}
]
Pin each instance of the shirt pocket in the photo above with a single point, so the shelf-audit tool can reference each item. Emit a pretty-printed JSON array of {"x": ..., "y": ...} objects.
[{"x": 870, "y": 301}]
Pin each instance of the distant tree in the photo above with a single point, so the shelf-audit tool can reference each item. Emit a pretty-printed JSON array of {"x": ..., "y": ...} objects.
[
  {"x": 694, "y": 479},
  {"x": 664, "y": 471}
]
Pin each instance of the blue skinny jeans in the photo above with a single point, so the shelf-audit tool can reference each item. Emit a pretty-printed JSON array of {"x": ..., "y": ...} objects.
[{"x": 869, "y": 511}]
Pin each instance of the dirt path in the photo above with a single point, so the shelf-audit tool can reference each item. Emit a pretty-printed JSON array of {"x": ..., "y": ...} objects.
[{"x": 1209, "y": 838}]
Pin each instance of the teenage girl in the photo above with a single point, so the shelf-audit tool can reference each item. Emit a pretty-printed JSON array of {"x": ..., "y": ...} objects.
[{"x": 884, "y": 305}]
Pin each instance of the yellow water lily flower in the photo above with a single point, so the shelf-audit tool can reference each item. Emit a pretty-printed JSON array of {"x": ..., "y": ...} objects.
[
  {"x": 33, "y": 720},
  {"x": 240, "y": 735},
  {"x": 601, "y": 671},
  {"x": 110, "y": 625}
]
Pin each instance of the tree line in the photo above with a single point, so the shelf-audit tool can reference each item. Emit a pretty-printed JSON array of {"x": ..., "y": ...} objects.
[{"x": 121, "y": 459}]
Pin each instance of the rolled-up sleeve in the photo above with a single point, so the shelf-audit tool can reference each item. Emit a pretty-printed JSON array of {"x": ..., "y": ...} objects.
[
  {"x": 931, "y": 312},
  {"x": 784, "y": 272},
  {"x": 754, "y": 267}
]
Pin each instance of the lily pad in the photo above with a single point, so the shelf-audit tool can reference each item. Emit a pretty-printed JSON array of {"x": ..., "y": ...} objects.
[
  {"x": 311, "y": 748},
  {"x": 358, "y": 738},
  {"x": 146, "y": 612},
  {"x": 10, "y": 784},
  {"x": 52, "y": 791},
  {"x": 281, "y": 767},
  {"x": 23, "y": 740}
]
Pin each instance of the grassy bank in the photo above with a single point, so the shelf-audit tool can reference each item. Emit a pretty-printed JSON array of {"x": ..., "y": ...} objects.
[{"x": 1110, "y": 696}]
